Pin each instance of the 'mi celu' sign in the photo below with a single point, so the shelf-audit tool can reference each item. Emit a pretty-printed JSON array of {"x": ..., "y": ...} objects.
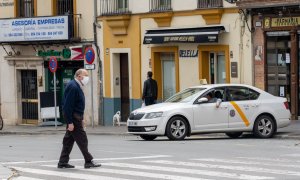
[
  {"x": 188, "y": 53},
  {"x": 34, "y": 29}
]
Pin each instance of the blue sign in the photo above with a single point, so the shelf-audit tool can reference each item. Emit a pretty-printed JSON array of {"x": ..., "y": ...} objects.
[
  {"x": 89, "y": 55},
  {"x": 34, "y": 29},
  {"x": 53, "y": 64}
]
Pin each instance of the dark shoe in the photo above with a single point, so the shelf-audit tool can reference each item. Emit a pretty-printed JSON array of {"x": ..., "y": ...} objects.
[
  {"x": 91, "y": 165},
  {"x": 64, "y": 165}
]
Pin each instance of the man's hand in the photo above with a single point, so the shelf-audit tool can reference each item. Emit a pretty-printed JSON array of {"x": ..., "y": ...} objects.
[{"x": 71, "y": 127}]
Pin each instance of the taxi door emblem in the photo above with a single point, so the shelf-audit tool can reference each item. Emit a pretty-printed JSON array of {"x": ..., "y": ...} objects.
[{"x": 232, "y": 113}]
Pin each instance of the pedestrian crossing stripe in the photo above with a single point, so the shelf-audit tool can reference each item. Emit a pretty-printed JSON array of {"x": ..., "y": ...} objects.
[
  {"x": 227, "y": 167},
  {"x": 135, "y": 173},
  {"x": 246, "y": 162},
  {"x": 65, "y": 174}
]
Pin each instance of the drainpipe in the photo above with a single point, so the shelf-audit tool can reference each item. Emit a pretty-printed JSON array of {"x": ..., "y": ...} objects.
[{"x": 95, "y": 25}]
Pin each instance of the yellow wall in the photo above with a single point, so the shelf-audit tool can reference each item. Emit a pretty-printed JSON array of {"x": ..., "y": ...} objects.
[{"x": 132, "y": 41}]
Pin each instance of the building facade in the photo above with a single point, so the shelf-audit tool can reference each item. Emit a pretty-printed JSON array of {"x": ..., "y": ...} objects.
[
  {"x": 275, "y": 33},
  {"x": 31, "y": 32},
  {"x": 184, "y": 43}
]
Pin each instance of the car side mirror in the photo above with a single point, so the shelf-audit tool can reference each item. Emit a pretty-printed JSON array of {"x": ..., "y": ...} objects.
[{"x": 202, "y": 100}]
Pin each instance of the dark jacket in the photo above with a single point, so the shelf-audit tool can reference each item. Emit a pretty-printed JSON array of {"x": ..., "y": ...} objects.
[
  {"x": 73, "y": 102},
  {"x": 150, "y": 89}
]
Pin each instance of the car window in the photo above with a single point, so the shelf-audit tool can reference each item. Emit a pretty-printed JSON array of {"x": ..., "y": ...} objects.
[
  {"x": 217, "y": 93},
  {"x": 185, "y": 95},
  {"x": 241, "y": 94},
  {"x": 253, "y": 94}
]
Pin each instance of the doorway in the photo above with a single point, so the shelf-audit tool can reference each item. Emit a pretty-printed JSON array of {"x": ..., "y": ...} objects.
[
  {"x": 29, "y": 97},
  {"x": 217, "y": 68},
  {"x": 278, "y": 65},
  {"x": 168, "y": 75},
  {"x": 124, "y": 77}
]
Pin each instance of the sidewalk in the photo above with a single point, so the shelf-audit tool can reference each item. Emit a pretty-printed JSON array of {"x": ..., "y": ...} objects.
[
  {"x": 290, "y": 132},
  {"x": 5, "y": 173}
]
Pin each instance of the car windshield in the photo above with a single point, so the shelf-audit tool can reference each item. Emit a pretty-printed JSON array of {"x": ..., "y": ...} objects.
[{"x": 185, "y": 95}]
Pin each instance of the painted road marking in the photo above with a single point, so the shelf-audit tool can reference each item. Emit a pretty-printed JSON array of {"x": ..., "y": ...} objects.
[
  {"x": 103, "y": 159},
  {"x": 241, "y": 113},
  {"x": 25, "y": 178},
  {"x": 70, "y": 174},
  {"x": 280, "y": 160},
  {"x": 135, "y": 173},
  {"x": 247, "y": 162},
  {"x": 228, "y": 167},
  {"x": 187, "y": 171}
]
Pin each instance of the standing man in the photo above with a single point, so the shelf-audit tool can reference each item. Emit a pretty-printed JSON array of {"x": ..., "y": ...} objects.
[
  {"x": 150, "y": 90},
  {"x": 73, "y": 109}
]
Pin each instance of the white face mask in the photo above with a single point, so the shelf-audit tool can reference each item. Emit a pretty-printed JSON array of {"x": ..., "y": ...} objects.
[{"x": 85, "y": 80}]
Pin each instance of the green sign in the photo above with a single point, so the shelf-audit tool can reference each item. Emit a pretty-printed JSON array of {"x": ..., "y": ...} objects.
[{"x": 65, "y": 53}]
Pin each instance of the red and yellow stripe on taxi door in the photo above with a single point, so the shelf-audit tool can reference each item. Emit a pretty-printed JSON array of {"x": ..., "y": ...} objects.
[{"x": 241, "y": 113}]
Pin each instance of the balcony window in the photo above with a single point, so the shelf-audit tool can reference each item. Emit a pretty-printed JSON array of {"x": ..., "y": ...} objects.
[
  {"x": 64, "y": 7},
  {"x": 204, "y": 4},
  {"x": 114, "y": 7},
  {"x": 25, "y": 8},
  {"x": 160, "y": 5}
]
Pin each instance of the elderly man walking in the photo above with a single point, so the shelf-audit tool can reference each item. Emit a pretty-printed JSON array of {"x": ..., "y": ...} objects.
[{"x": 73, "y": 109}]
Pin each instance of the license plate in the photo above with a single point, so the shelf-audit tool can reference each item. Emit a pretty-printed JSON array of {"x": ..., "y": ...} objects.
[{"x": 132, "y": 123}]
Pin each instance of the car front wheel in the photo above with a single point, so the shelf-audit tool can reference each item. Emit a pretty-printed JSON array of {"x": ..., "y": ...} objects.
[
  {"x": 148, "y": 137},
  {"x": 264, "y": 127},
  {"x": 177, "y": 128}
]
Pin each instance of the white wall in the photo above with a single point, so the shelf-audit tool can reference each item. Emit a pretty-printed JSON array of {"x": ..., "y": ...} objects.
[{"x": 7, "y": 11}]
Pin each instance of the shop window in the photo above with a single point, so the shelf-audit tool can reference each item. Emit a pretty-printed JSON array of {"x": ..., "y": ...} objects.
[
  {"x": 25, "y": 8},
  {"x": 203, "y": 4}
]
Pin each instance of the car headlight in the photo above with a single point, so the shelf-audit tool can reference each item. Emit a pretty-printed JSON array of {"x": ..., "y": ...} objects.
[{"x": 153, "y": 115}]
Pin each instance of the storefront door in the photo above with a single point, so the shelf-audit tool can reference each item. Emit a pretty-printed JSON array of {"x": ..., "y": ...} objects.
[
  {"x": 278, "y": 64},
  {"x": 124, "y": 73},
  {"x": 217, "y": 68},
  {"x": 64, "y": 74},
  {"x": 29, "y": 96},
  {"x": 168, "y": 71}
]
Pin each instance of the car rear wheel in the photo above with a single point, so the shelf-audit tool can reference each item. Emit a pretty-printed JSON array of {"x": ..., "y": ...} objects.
[
  {"x": 148, "y": 137},
  {"x": 264, "y": 127},
  {"x": 234, "y": 134},
  {"x": 177, "y": 128}
]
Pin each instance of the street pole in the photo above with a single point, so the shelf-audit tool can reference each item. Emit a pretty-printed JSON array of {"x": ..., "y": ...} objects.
[
  {"x": 54, "y": 79},
  {"x": 92, "y": 97}
]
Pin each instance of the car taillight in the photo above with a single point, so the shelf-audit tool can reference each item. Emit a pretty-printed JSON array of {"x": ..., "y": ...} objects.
[{"x": 286, "y": 104}]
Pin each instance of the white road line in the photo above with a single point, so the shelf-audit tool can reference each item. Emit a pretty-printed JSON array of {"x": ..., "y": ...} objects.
[
  {"x": 25, "y": 178},
  {"x": 186, "y": 171},
  {"x": 71, "y": 174},
  {"x": 246, "y": 162},
  {"x": 236, "y": 168},
  {"x": 103, "y": 159},
  {"x": 280, "y": 160},
  {"x": 136, "y": 173}
]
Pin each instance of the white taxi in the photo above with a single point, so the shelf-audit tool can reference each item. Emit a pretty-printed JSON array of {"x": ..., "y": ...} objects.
[{"x": 232, "y": 109}]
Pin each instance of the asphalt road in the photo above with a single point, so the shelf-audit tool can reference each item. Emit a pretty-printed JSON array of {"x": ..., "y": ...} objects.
[{"x": 129, "y": 157}]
